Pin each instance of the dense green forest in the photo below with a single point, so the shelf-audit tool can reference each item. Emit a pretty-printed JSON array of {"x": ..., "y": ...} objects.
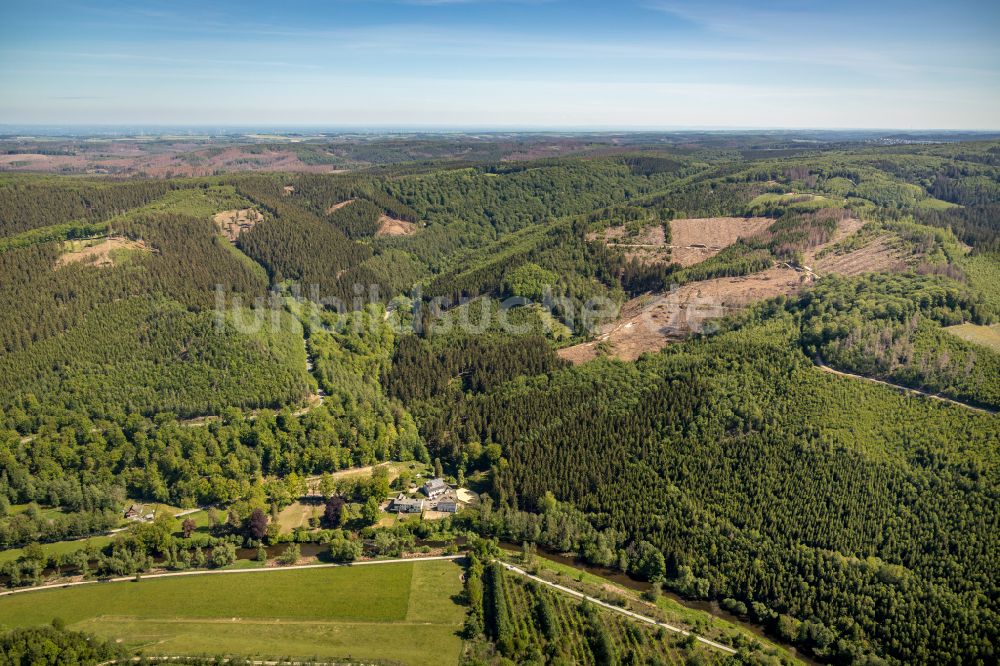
[
  {"x": 889, "y": 326},
  {"x": 55, "y": 645},
  {"x": 27, "y": 204},
  {"x": 140, "y": 336},
  {"x": 673, "y": 450},
  {"x": 850, "y": 519}
]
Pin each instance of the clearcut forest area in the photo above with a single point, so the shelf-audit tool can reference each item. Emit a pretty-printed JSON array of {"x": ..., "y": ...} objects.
[{"x": 739, "y": 390}]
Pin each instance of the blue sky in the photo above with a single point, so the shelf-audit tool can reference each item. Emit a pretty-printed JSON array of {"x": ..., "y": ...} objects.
[{"x": 517, "y": 63}]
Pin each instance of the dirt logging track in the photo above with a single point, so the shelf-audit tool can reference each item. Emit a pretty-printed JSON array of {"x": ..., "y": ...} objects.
[
  {"x": 387, "y": 226},
  {"x": 338, "y": 206},
  {"x": 649, "y": 322}
]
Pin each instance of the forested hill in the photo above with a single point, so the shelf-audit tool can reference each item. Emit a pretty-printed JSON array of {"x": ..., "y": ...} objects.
[
  {"x": 654, "y": 401},
  {"x": 819, "y": 503}
]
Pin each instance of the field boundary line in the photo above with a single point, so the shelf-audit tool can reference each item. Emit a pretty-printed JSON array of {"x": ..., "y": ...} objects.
[
  {"x": 623, "y": 611},
  {"x": 216, "y": 572}
]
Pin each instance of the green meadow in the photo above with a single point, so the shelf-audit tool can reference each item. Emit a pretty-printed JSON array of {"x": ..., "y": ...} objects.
[
  {"x": 393, "y": 612},
  {"x": 987, "y": 336},
  {"x": 792, "y": 200},
  {"x": 57, "y": 548}
]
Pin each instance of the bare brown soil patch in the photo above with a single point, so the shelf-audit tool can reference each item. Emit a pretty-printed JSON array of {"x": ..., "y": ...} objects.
[
  {"x": 390, "y": 226},
  {"x": 846, "y": 226},
  {"x": 581, "y": 353},
  {"x": 694, "y": 240},
  {"x": 98, "y": 253},
  {"x": 232, "y": 223},
  {"x": 649, "y": 322},
  {"x": 338, "y": 206},
  {"x": 876, "y": 256}
]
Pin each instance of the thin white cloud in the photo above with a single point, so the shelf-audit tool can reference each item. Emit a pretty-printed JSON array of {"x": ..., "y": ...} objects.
[
  {"x": 417, "y": 39},
  {"x": 742, "y": 66},
  {"x": 782, "y": 33},
  {"x": 741, "y": 18},
  {"x": 401, "y": 45}
]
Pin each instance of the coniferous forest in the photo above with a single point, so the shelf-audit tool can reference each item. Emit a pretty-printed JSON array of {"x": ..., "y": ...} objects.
[{"x": 822, "y": 458}]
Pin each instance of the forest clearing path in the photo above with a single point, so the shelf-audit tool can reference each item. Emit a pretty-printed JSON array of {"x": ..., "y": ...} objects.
[{"x": 899, "y": 387}]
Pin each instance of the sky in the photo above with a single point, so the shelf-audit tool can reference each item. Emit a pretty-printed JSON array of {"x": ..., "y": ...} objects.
[{"x": 503, "y": 63}]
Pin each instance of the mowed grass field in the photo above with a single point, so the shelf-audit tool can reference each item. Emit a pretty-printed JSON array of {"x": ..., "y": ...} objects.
[
  {"x": 297, "y": 514},
  {"x": 987, "y": 336},
  {"x": 58, "y": 547},
  {"x": 403, "y": 612}
]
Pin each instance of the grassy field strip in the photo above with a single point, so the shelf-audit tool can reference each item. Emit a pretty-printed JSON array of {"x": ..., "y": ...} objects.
[
  {"x": 987, "y": 336},
  {"x": 56, "y": 548},
  {"x": 297, "y": 515},
  {"x": 403, "y": 613},
  {"x": 205, "y": 572},
  {"x": 352, "y": 642},
  {"x": 637, "y": 616}
]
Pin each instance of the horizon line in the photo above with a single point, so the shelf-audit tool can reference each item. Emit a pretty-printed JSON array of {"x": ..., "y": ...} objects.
[{"x": 485, "y": 127}]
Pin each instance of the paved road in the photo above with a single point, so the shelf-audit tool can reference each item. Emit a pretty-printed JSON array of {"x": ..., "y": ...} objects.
[
  {"x": 617, "y": 609},
  {"x": 906, "y": 389},
  {"x": 219, "y": 572}
]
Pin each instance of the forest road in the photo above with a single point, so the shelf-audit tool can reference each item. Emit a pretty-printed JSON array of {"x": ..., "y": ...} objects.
[{"x": 906, "y": 389}]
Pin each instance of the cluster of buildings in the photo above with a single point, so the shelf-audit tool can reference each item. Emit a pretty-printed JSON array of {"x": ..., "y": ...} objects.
[
  {"x": 437, "y": 496},
  {"x": 138, "y": 513}
]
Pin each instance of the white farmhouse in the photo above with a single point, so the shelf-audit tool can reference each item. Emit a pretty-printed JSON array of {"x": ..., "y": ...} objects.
[
  {"x": 435, "y": 488},
  {"x": 403, "y": 504}
]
